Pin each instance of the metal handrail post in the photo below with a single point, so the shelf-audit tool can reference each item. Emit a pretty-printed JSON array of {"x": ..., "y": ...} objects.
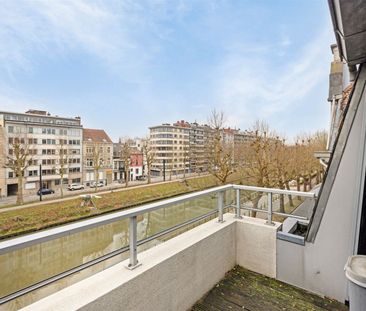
[
  {"x": 133, "y": 243},
  {"x": 237, "y": 214},
  {"x": 269, "y": 215},
  {"x": 220, "y": 205}
]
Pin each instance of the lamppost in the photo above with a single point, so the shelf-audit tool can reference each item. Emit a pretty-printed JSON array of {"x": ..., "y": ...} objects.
[
  {"x": 164, "y": 170},
  {"x": 40, "y": 182}
]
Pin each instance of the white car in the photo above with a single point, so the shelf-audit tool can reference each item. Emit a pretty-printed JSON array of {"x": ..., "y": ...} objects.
[
  {"x": 98, "y": 184},
  {"x": 72, "y": 187}
]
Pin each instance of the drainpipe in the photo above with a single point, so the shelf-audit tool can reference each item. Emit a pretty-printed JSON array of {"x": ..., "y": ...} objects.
[{"x": 332, "y": 104}]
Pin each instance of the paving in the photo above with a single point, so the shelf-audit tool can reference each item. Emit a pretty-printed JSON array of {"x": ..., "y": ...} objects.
[
  {"x": 242, "y": 289},
  {"x": 70, "y": 195}
]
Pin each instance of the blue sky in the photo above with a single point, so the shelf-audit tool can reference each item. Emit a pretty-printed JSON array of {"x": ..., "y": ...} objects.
[{"x": 126, "y": 65}]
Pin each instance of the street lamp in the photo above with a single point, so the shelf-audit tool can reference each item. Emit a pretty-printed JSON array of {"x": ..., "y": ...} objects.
[{"x": 40, "y": 182}]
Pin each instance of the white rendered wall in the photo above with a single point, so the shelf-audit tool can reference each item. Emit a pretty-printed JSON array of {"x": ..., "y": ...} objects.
[{"x": 175, "y": 274}]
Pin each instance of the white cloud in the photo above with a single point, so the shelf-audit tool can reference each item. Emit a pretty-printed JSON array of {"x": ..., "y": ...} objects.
[
  {"x": 112, "y": 31},
  {"x": 250, "y": 85}
]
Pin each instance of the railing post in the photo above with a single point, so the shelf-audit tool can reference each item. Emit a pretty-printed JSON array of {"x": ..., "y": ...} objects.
[
  {"x": 220, "y": 205},
  {"x": 269, "y": 215},
  {"x": 133, "y": 244},
  {"x": 237, "y": 214}
]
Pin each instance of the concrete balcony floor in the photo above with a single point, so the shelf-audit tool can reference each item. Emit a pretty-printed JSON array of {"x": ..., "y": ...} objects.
[{"x": 242, "y": 289}]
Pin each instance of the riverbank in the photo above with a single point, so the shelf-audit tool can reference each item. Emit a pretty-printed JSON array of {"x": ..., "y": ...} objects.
[{"x": 38, "y": 217}]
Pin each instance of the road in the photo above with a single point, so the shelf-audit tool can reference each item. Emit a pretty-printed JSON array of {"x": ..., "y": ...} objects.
[{"x": 33, "y": 200}]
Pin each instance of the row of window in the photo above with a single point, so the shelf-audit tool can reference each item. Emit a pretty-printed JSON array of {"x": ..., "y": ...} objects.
[
  {"x": 48, "y": 151},
  {"x": 90, "y": 162},
  {"x": 34, "y": 119},
  {"x": 91, "y": 150},
  {"x": 43, "y": 130},
  {"x": 169, "y": 129}
]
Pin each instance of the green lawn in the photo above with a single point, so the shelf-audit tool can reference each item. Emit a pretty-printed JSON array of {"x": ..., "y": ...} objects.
[{"x": 35, "y": 218}]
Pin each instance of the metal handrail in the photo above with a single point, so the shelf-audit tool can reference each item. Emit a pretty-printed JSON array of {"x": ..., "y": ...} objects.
[
  {"x": 54, "y": 233},
  {"x": 102, "y": 258},
  {"x": 51, "y": 234}
]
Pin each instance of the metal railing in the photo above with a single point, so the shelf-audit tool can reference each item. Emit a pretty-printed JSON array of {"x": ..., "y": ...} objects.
[{"x": 132, "y": 214}]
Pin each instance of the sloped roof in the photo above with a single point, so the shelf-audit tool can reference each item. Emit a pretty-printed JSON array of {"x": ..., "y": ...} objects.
[
  {"x": 345, "y": 96},
  {"x": 95, "y": 135}
]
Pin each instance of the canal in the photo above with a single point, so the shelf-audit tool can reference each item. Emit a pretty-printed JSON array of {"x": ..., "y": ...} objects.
[{"x": 30, "y": 265}]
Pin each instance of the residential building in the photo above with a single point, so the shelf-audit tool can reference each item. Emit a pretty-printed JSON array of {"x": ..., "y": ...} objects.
[
  {"x": 199, "y": 136},
  {"x": 185, "y": 146},
  {"x": 170, "y": 144},
  {"x": 136, "y": 142},
  {"x": 136, "y": 163},
  {"x": 46, "y": 138},
  {"x": 97, "y": 147},
  {"x": 118, "y": 163}
]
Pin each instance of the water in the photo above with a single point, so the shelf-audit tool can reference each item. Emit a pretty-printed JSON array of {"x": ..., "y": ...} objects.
[{"x": 24, "y": 267}]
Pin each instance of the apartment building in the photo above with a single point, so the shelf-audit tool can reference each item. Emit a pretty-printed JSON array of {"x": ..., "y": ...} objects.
[
  {"x": 97, "y": 156},
  {"x": 185, "y": 146},
  {"x": 49, "y": 140},
  {"x": 179, "y": 148}
]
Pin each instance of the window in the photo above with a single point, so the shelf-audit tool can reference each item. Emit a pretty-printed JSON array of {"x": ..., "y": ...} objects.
[
  {"x": 33, "y": 173},
  {"x": 11, "y": 175},
  {"x": 10, "y": 129},
  {"x": 74, "y": 151},
  {"x": 30, "y": 130},
  {"x": 89, "y": 162},
  {"x": 137, "y": 171},
  {"x": 74, "y": 170},
  {"x": 49, "y": 151}
]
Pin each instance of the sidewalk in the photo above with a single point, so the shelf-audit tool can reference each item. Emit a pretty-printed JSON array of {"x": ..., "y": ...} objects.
[{"x": 112, "y": 188}]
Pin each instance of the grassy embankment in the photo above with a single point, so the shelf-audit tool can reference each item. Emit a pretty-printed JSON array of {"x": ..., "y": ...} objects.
[{"x": 36, "y": 218}]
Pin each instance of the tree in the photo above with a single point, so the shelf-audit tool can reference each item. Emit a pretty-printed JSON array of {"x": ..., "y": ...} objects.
[
  {"x": 185, "y": 158},
  {"x": 97, "y": 162},
  {"x": 62, "y": 159},
  {"x": 18, "y": 159},
  {"x": 149, "y": 157},
  {"x": 126, "y": 158},
  {"x": 220, "y": 154}
]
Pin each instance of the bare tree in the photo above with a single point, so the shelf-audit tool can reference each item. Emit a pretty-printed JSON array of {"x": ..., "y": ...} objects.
[
  {"x": 185, "y": 159},
  {"x": 97, "y": 162},
  {"x": 220, "y": 153},
  {"x": 63, "y": 160},
  {"x": 149, "y": 157},
  {"x": 126, "y": 158},
  {"x": 18, "y": 159}
]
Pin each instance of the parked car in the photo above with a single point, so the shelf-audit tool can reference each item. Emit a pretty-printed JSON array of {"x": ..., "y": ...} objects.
[
  {"x": 97, "y": 184},
  {"x": 45, "y": 191},
  {"x": 72, "y": 187},
  {"x": 143, "y": 177}
]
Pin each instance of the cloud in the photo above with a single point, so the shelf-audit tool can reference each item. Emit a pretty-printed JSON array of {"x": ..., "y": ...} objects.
[
  {"x": 254, "y": 87},
  {"x": 115, "y": 32}
]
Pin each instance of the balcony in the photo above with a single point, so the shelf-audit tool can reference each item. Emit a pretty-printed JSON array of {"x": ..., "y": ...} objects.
[{"x": 143, "y": 273}]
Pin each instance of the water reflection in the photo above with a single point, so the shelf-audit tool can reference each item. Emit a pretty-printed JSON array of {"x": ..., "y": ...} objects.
[{"x": 24, "y": 267}]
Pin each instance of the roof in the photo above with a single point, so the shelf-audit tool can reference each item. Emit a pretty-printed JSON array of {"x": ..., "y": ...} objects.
[
  {"x": 95, "y": 135},
  {"x": 345, "y": 95}
]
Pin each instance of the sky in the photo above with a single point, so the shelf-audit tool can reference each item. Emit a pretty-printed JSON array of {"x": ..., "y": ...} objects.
[{"x": 125, "y": 65}]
